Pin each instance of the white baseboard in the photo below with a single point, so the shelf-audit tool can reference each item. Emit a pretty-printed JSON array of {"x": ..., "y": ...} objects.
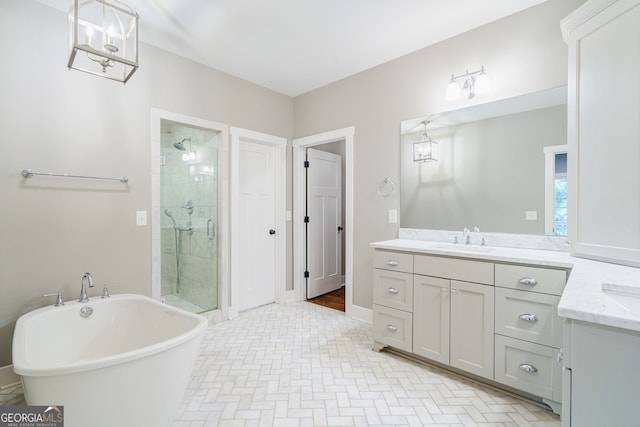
[
  {"x": 289, "y": 296},
  {"x": 8, "y": 377},
  {"x": 360, "y": 313}
]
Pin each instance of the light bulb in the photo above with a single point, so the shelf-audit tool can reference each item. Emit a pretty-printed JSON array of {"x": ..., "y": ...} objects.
[
  {"x": 111, "y": 32},
  {"x": 89, "y": 34},
  {"x": 453, "y": 91}
]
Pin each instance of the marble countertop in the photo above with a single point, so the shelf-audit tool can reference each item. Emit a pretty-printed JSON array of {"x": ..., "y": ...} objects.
[{"x": 583, "y": 297}]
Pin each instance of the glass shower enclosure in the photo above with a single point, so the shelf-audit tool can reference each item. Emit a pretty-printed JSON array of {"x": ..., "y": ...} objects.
[{"x": 189, "y": 193}]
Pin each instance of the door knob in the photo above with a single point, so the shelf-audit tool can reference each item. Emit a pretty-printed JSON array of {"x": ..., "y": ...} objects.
[{"x": 272, "y": 231}]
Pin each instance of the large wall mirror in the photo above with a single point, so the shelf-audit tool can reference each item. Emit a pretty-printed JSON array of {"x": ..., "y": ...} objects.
[{"x": 501, "y": 167}]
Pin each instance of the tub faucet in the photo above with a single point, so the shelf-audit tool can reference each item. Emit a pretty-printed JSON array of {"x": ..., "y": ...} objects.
[{"x": 86, "y": 278}]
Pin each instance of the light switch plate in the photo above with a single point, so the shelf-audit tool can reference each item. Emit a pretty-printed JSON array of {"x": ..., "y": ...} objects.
[
  {"x": 531, "y": 215},
  {"x": 393, "y": 216},
  {"x": 141, "y": 218}
]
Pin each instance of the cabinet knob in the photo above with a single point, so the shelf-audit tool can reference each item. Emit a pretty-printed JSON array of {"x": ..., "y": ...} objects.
[
  {"x": 392, "y": 291},
  {"x": 391, "y": 328},
  {"x": 528, "y": 317},
  {"x": 529, "y": 281},
  {"x": 444, "y": 289},
  {"x": 528, "y": 368},
  {"x": 392, "y": 263}
]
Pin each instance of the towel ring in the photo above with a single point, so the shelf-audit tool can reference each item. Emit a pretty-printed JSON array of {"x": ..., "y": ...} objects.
[{"x": 386, "y": 187}]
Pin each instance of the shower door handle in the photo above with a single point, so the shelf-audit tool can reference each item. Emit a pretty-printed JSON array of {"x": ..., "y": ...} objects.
[{"x": 211, "y": 230}]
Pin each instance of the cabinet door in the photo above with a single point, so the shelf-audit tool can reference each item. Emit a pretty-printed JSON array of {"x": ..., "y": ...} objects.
[
  {"x": 431, "y": 318},
  {"x": 472, "y": 308},
  {"x": 603, "y": 132}
]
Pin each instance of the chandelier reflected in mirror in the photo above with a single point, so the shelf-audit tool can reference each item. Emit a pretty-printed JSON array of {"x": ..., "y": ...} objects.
[
  {"x": 103, "y": 38},
  {"x": 426, "y": 149}
]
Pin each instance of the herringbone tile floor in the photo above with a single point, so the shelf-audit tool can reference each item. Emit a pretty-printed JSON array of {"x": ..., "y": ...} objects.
[{"x": 300, "y": 364}]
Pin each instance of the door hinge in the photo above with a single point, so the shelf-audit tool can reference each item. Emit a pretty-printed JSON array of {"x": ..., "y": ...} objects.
[
  {"x": 306, "y": 274},
  {"x": 306, "y": 163},
  {"x": 306, "y": 219}
]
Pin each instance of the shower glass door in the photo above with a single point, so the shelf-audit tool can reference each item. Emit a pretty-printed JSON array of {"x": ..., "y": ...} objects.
[{"x": 189, "y": 218}]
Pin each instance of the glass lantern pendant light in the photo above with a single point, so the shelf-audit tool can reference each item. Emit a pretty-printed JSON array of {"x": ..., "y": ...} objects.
[
  {"x": 425, "y": 150},
  {"x": 103, "y": 38}
]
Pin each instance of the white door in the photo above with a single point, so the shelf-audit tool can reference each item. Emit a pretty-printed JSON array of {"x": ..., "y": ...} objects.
[
  {"x": 324, "y": 228},
  {"x": 256, "y": 218}
]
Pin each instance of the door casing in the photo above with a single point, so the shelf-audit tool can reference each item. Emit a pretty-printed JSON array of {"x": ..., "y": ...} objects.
[
  {"x": 157, "y": 115},
  {"x": 299, "y": 194}
]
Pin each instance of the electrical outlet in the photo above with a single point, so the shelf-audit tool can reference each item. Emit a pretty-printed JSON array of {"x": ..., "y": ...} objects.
[
  {"x": 531, "y": 215},
  {"x": 287, "y": 216},
  {"x": 141, "y": 218},
  {"x": 393, "y": 216}
]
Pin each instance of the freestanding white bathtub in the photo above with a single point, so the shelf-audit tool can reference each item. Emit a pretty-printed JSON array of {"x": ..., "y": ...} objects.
[{"x": 128, "y": 364}]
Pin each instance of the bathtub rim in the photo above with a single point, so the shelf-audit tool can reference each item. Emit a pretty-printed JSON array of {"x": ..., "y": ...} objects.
[{"x": 23, "y": 368}]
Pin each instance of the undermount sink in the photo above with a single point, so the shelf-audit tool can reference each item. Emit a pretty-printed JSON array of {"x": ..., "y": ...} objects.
[
  {"x": 626, "y": 297},
  {"x": 464, "y": 248}
]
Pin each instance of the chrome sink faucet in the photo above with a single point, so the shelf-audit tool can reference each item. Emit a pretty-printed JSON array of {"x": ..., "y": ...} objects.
[
  {"x": 86, "y": 278},
  {"x": 465, "y": 235}
]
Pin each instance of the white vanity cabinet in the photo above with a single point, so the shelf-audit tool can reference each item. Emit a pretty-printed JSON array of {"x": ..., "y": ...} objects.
[
  {"x": 601, "y": 378},
  {"x": 528, "y": 339},
  {"x": 603, "y": 37},
  {"x": 453, "y": 319},
  {"x": 490, "y": 318}
]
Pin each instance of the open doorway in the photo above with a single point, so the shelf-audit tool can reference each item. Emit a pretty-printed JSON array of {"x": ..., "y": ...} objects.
[
  {"x": 324, "y": 219},
  {"x": 341, "y": 139}
]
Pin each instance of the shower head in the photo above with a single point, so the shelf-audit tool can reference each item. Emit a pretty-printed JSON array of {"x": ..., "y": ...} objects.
[
  {"x": 180, "y": 145},
  {"x": 168, "y": 213}
]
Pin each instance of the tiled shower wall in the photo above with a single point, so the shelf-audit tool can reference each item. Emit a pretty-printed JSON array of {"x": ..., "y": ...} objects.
[{"x": 181, "y": 181}]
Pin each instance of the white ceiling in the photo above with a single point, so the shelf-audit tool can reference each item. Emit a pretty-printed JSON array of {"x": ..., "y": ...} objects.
[{"x": 294, "y": 46}]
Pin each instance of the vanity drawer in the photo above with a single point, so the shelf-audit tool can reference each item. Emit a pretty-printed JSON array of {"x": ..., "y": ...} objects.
[
  {"x": 534, "y": 279},
  {"x": 454, "y": 268},
  {"x": 393, "y": 327},
  {"x": 390, "y": 260},
  {"x": 393, "y": 289},
  {"x": 528, "y": 316},
  {"x": 529, "y": 367}
]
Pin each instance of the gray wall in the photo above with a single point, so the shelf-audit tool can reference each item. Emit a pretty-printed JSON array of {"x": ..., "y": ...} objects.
[
  {"x": 52, "y": 230},
  {"x": 522, "y": 53}
]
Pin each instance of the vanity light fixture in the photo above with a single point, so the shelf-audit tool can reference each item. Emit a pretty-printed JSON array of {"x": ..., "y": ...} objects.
[
  {"x": 476, "y": 82},
  {"x": 103, "y": 38},
  {"x": 425, "y": 150}
]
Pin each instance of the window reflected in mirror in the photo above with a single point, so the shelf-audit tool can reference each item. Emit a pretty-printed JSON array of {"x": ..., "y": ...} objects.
[{"x": 556, "y": 190}]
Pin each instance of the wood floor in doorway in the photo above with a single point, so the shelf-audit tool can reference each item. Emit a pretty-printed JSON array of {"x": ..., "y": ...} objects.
[{"x": 333, "y": 300}]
